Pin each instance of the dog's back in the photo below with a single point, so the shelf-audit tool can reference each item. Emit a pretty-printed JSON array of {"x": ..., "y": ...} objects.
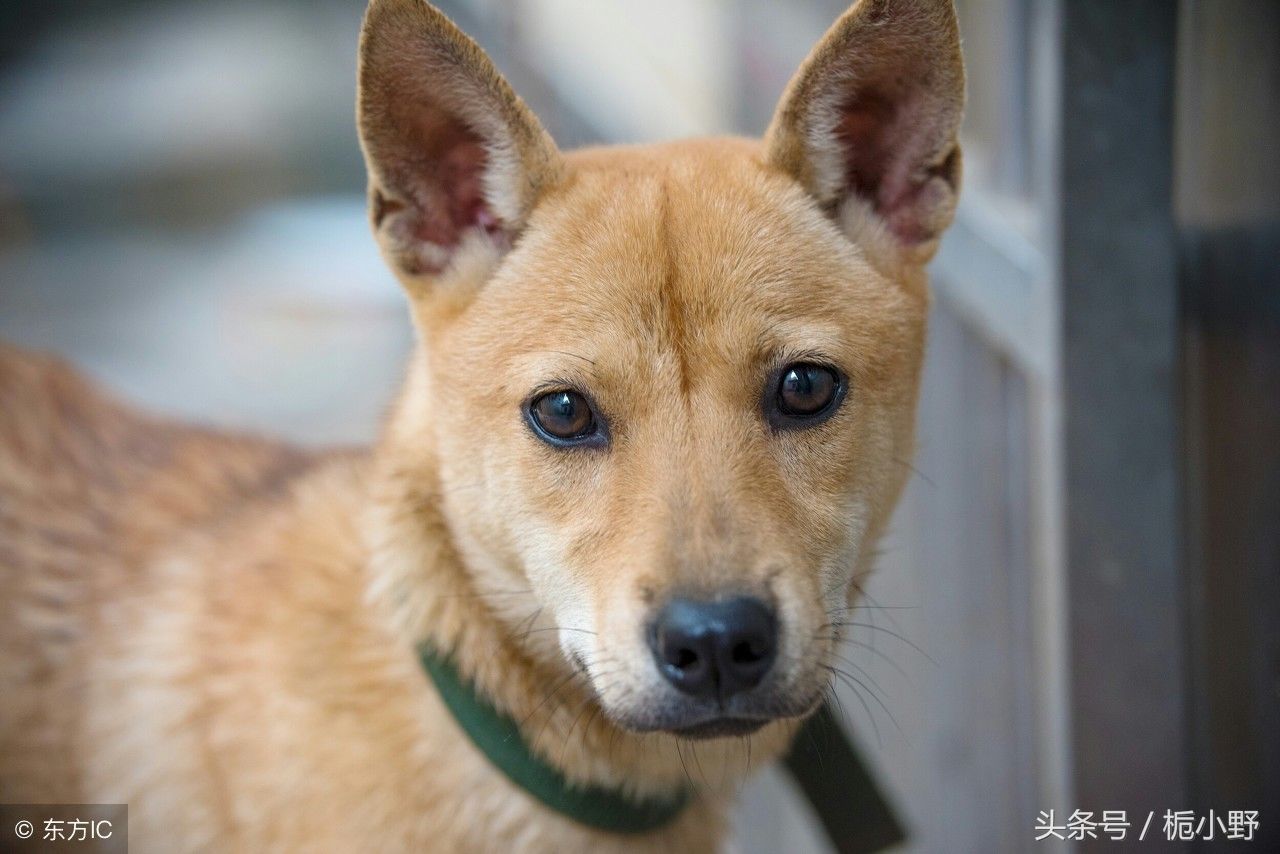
[{"x": 88, "y": 491}]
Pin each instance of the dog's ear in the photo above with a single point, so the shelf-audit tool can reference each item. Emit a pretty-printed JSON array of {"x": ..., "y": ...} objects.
[
  {"x": 868, "y": 124},
  {"x": 453, "y": 154}
]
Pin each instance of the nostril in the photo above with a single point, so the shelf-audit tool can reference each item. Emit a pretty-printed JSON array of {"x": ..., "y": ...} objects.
[
  {"x": 749, "y": 652},
  {"x": 682, "y": 658}
]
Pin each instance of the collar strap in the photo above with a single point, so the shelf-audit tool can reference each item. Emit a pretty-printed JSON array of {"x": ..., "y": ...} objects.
[
  {"x": 842, "y": 788},
  {"x": 498, "y": 737}
]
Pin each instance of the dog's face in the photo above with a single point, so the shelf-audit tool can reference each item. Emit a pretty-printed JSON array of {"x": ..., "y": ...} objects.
[{"x": 667, "y": 392}]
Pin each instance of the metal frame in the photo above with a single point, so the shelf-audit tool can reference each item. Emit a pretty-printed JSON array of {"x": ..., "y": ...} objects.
[
  {"x": 1083, "y": 301},
  {"x": 1121, "y": 407}
]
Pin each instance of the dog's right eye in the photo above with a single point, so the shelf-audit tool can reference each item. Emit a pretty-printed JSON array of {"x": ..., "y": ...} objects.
[{"x": 564, "y": 418}]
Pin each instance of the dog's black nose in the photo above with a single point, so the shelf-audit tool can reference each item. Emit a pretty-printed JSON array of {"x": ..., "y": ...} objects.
[{"x": 710, "y": 649}]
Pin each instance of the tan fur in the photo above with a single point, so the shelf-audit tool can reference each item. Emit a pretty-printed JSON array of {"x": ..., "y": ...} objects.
[{"x": 220, "y": 630}]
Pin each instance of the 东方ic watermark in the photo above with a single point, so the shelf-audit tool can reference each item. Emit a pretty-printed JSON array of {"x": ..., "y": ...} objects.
[{"x": 64, "y": 827}]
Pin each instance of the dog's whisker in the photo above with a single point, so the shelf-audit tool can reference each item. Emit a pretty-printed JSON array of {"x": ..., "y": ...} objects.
[
  {"x": 883, "y": 656},
  {"x": 559, "y": 684},
  {"x": 862, "y": 591},
  {"x": 845, "y": 719},
  {"x": 870, "y": 607},
  {"x": 559, "y": 629},
  {"x": 866, "y": 675},
  {"x": 587, "y": 704},
  {"x": 908, "y": 464},
  {"x": 531, "y": 619},
  {"x": 892, "y": 634},
  {"x": 697, "y": 763},
  {"x": 836, "y": 585},
  {"x": 590, "y": 362},
  {"x": 873, "y": 696},
  {"x": 853, "y": 686},
  {"x": 829, "y": 691},
  {"x": 683, "y": 766},
  {"x": 596, "y": 712},
  {"x": 551, "y": 711},
  {"x": 613, "y": 738}
]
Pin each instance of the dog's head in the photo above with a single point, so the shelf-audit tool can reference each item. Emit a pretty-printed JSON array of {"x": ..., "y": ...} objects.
[{"x": 667, "y": 392}]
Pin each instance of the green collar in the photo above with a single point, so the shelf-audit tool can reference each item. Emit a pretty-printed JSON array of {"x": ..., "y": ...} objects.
[
  {"x": 824, "y": 763},
  {"x": 498, "y": 738}
]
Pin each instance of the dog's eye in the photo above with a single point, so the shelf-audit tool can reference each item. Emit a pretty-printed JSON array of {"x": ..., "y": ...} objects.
[
  {"x": 805, "y": 394},
  {"x": 563, "y": 417}
]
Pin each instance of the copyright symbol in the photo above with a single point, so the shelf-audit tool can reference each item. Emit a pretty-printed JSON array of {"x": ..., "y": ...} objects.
[{"x": 24, "y": 829}]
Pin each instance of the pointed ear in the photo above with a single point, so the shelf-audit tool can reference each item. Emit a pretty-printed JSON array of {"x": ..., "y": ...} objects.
[
  {"x": 868, "y": 124},
  {"x": 453, "y": 154}
]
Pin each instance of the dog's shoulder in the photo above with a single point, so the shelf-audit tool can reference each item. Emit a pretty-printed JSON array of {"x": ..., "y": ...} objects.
[
  {"x": 67, "y": 446},
  {"x": 96, "y": 499},
  {"x": 60, "y": 434},
  {"x": 44, "y": 406}
]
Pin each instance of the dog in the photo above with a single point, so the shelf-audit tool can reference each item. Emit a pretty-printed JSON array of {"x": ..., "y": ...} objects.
[{"x": 658, "y": 414}]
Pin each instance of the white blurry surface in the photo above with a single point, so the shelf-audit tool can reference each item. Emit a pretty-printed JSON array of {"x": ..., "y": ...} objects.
[
  {"x": 177, "y": 89},
  {"x": 288, "y": 323},
  {"x": 641, "y": 71}
]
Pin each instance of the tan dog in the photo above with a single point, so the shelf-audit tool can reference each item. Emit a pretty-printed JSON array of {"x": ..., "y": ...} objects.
[{"x": 660, "y": 411}]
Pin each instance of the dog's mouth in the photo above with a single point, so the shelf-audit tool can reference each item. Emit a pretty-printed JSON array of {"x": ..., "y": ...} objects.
[
  {"x": 724, "y": 727},
  {"x": 733, "y": 721},
  {"x": 711, "y": 721}
]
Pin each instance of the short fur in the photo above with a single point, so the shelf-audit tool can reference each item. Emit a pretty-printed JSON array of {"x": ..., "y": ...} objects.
[{"x": 220, "y": 630}]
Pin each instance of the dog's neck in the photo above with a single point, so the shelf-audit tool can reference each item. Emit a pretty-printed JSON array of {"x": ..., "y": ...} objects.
[{"x": 418, "y": 574}]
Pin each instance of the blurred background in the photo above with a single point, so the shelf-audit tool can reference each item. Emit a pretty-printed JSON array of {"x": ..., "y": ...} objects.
[{"x": 1079, "y": 605}]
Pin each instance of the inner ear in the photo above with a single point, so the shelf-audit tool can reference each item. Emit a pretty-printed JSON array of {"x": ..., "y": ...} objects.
[
  {"x": 453, "y": 154},
  {"x": 886, "y": 161},
  {"x": 868, "y": 124},
  {"x": 442, "y": 192}
]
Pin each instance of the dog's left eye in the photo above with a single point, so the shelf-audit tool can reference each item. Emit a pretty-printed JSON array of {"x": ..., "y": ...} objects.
[
  {"x": 805, "y": 394},
  {"x": 564, "y": 418}
]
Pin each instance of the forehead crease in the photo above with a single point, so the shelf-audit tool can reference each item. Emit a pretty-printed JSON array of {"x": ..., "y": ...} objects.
[
  {"x": 674, "y": 308},
  {"x": 729, "y": 277},
  {"x": 675, "y": 265},
  {"x": 627, "y": 284},
  {"x": 605, "y": 284}
]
